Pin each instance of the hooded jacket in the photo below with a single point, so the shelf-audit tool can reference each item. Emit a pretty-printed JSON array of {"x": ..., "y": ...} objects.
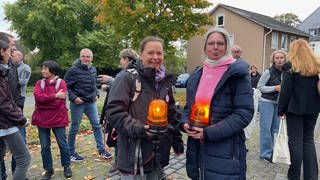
[
  {"x": 223, "y": 150},
  {"x": 10, "y": 114},
  {"x": 129, "y": 118}
]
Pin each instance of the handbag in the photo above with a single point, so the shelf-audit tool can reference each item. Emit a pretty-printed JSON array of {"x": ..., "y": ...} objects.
[{"x": 281, "y": 153}]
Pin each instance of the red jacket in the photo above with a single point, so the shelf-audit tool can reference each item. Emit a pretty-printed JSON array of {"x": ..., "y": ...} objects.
[{"x": 49, "y": 111}]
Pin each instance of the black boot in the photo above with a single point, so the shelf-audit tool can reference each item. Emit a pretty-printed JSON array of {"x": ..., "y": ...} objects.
[
  {"x": 67, "y": 172},
  {"x": 47, "y": 175}
]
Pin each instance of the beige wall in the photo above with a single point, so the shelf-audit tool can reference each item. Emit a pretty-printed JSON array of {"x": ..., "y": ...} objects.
[{"x": 247, "y": 34}]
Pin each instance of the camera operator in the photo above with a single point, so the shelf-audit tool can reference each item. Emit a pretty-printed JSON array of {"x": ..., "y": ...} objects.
[{"x": 126, "y": 56}]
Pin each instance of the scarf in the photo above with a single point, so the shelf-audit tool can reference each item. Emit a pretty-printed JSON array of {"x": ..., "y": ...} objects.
[
  {"x": 213, "y": 63},
  {"x": 160, "y": 73}
]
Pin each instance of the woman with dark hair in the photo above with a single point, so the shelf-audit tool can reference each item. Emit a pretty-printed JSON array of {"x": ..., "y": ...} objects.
[
  {"x": 299, "y": 101},
  {"x": 219, "y": 106},
  {"x": 11, "y": 118},
  {"x": 51, "y": 114}
]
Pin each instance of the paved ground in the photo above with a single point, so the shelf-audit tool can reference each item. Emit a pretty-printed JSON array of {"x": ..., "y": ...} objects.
[{"x": 95, "y": 168}]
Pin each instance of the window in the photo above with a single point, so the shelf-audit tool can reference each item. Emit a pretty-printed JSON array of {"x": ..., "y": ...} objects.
[
  {"x": 314, "y": 32},
  {"x": 220, "y": 20},
  {"x": 284, "y": 41},
  {"x": 274, "y": 40},
  {"x": 292, "y": 38}
]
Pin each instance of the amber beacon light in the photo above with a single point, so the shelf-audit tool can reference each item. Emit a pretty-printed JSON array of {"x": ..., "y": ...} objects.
[
  {"x": 157, "y": 116},
  {"x": 199, "y": 115}
]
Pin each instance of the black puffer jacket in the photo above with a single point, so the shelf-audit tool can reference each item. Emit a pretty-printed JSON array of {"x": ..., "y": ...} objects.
[
  {"x": 129, "y": 118},
  {"x": 81, "y": 82},
  {"x": 10, "y": 114}
]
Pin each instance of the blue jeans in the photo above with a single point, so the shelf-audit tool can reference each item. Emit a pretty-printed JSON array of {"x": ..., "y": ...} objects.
[
  {"x": 17, "y": 146},
  {"x": 13, "y": 162},
  {"x": 90, "y": 109},
  {"x": 44, "y": 136},
  {"x": 269, "y": 125}
]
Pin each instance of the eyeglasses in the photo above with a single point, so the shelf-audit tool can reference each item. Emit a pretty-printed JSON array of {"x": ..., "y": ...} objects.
[
  {"x": 85, "y": 56},
  {"x": 218, "y": 44}
]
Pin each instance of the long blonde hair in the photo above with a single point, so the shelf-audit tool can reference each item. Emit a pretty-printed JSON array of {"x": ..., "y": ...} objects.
[{"x": 302, "y": 58}]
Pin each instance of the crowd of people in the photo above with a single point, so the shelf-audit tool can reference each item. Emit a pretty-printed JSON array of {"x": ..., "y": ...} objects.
[{"x": 140, "y": 107}]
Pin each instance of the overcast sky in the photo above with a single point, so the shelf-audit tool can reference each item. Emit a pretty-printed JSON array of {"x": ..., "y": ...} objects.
[{"x": 266, "y": 7}]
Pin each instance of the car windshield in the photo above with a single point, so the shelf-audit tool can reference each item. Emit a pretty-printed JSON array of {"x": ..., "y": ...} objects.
[{"x": 183, "y": 76}]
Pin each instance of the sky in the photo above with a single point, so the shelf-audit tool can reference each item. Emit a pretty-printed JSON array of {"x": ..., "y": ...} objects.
[{"x": 266, "y": 7}]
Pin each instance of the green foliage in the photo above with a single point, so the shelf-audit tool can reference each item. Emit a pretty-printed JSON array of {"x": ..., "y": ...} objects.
[
  {"x": 52, "y": 26},
  {"x": 170, "y": 20},
  {"x": 288, "y": 18},
  {"x": 105, "y": 45}
]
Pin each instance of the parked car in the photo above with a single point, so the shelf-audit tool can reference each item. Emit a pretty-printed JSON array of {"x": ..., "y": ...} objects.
[{"x": 181, "y": 80}]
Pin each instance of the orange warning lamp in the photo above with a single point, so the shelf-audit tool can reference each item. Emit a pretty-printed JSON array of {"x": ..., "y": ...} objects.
[
  {"x": 200, "y": 115},
  {"x": 157, "y": 116}
]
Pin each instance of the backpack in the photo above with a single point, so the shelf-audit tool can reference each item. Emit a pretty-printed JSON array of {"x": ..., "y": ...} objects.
[
  {"x": 112, "y": 132},
  {"x": 42, "y": 84}
]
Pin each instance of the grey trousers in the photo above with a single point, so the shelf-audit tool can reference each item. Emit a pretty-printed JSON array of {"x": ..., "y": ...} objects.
[{"x": 19, "y": 150}]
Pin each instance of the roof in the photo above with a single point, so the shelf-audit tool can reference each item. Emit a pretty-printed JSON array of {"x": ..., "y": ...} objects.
[
  {"x": 262, "y": 20},
  {"x": 312, "y": 21}
]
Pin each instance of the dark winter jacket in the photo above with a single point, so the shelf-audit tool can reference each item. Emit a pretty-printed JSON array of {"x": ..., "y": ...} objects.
[
  {"x": 129, "y": 118},
  {"x": 81, "y": 82},
  {"x": 299, "y": 94},
  {"x": 255, "y": 79},
  {"x": 222, "y": 154},
  {"x": 15, "y": 88},
  {"x": 10, "y": 114}
]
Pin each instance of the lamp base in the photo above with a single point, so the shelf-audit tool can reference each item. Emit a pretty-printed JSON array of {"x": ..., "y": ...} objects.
[{"x": 157, "y": 129}]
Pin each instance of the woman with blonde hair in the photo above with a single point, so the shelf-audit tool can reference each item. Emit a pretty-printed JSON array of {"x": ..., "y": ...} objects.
[
  {"x": 299, "y": 102},
  {"x": 269, "y": 86}
]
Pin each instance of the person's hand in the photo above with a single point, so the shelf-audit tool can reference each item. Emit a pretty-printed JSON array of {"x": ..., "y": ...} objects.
[
  {"x": 26, "y": 124},
  {"x": 149, "y": 134},
  {"x": 78, "y": 101},
  {"x": 104, "y": 77},
  {"x": 95, "y": 100},
  {"x": 60, "y": 94},
  {"x": 104, "y": 87},
  {"x": 187, "y": 128},
  {"x": 277, "y": 88},
  {"x": 194, "y": 132}
]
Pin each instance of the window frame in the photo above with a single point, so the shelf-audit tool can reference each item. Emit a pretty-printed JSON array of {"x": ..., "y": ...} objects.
[
  {"x": 218, "y": 16},
  {"x": 284, "y": 41},
  {"x": 274, "y": 40}
]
